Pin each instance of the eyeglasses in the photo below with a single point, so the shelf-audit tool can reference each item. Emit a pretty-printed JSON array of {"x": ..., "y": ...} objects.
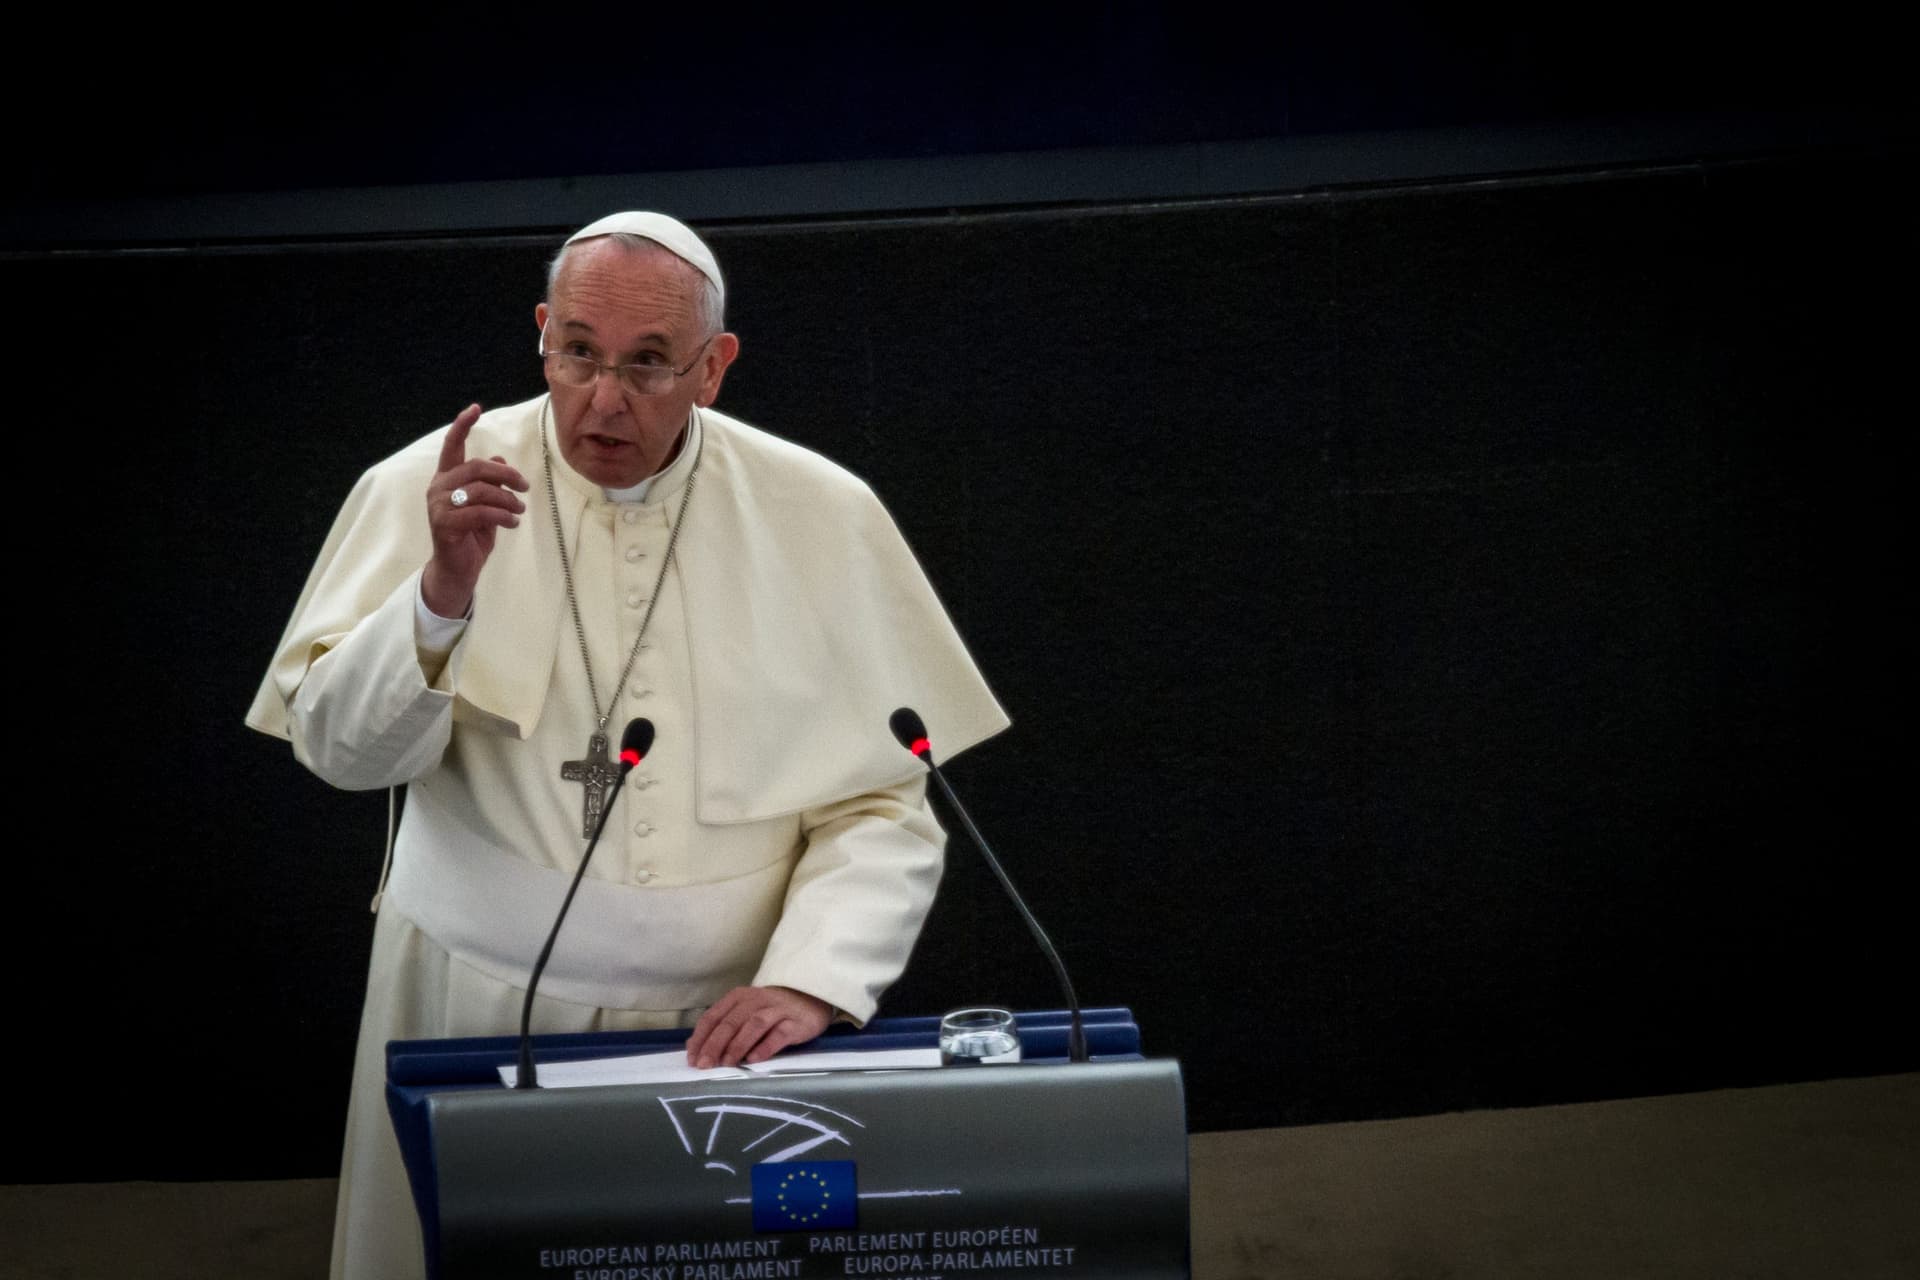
[{"x": 640, "y": 379}]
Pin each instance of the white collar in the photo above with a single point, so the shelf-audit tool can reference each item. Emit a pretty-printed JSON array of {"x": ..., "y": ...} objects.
[{"x": 663, "y": 479}]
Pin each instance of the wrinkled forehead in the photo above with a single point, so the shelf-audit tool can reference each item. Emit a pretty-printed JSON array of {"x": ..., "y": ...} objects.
[
  {"x": 624, "y": 293},
  {"x": 669, "y": 233}
]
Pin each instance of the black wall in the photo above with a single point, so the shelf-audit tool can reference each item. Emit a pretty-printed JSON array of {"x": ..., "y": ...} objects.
[
  {"x": 1423, "y": 484},
  {"x": 217, "y": 99},
  {"x": 1450, "y": 631}
]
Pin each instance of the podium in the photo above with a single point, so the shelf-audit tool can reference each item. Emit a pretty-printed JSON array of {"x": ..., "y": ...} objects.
[{"x": 1039, "y": 1168}]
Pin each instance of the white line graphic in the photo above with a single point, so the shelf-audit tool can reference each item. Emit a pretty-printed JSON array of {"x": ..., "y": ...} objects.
[{"x": 873, "y": 1195}]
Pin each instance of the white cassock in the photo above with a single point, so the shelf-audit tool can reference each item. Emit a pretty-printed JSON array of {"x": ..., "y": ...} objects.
[{"x": 776, "y": 833}]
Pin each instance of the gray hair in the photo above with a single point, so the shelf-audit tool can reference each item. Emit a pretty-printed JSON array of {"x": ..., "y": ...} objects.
[{"x": 709, "y": 305}]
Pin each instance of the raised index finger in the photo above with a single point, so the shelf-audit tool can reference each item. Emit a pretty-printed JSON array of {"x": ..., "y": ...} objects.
[{"x": 453, "y": 449}]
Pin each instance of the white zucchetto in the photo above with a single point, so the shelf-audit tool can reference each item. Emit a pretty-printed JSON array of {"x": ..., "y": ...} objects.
[{"x": 674, "y": 236}]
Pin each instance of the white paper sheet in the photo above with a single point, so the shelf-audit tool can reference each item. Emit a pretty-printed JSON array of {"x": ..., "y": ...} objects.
[{"x": 671, "y": 1067}]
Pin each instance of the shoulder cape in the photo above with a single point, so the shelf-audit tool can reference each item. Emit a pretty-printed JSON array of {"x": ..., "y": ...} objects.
[{"x": 809, "y": 619}]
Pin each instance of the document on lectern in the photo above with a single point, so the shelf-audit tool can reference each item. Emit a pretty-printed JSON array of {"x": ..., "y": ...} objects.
[{"x": 671, "y": 1067}]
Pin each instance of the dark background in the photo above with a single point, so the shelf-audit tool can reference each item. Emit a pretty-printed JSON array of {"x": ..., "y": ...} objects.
[{"x": 1425, "y": 491}]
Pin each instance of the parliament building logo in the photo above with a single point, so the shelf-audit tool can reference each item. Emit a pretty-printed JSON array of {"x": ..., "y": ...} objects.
[
  {"x": 796, "y": 1154},
  {"x": 727, "y": 1130}
]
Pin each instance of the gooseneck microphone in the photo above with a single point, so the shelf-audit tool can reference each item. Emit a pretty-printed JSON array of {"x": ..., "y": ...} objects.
[
  {"x": 633, "y": 749},
  {"x": 911, "y": 732}
]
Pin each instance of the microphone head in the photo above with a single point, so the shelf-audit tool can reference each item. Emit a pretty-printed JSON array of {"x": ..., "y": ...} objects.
[
  {"x": 635, "y": 742},
  {"x": 911, "y": 732}
]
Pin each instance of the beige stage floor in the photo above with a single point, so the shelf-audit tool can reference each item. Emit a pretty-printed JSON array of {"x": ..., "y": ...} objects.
[{"x": 1806, "y": 1180}]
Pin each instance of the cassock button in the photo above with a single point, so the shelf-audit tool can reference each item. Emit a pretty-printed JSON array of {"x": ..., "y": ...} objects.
[
  {"x": 635, "y": 555},
  {"x": 639, "y": 692},
  {"x": 642, "y": 876},
  {"x": 630, "y": 516},
  {"x": 635, "y": 599},
  {"x": 644, "y": 828},
  {"x": 639, "y": 781}
]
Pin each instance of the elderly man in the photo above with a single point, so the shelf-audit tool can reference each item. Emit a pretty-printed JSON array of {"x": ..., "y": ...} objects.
[{"x": 613, "y": 549}]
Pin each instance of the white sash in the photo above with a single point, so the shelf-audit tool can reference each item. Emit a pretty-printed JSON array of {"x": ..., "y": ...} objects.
[{"x": 622, "y": 947}]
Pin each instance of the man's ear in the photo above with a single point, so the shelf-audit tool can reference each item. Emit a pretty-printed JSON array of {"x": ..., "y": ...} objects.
[{"x": 721, "y": 352}]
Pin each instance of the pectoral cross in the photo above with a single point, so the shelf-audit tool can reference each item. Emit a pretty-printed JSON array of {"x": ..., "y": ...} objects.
[{"x": 599, "y": 775}]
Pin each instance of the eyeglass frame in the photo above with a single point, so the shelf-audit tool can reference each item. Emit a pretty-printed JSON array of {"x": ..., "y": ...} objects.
[{"x": 620, "y": 370}]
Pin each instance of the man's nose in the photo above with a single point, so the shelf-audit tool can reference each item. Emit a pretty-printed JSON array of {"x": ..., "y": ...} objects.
[{"x": 608, "y": 396}]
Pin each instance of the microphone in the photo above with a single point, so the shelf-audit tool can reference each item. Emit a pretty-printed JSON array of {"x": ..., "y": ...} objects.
[
  {"x": 911, "y": 732},
  {"x": 634, "y": 744}
]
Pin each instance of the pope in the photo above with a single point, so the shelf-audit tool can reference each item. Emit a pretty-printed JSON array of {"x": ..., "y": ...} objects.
[{"x": 496, "y": 599}]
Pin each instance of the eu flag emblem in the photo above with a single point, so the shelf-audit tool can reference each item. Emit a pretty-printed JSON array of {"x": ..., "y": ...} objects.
[{"x": 804, "y": 1195}]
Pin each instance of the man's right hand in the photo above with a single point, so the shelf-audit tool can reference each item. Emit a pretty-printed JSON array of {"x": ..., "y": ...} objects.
[{"x": 463, "y": 535}]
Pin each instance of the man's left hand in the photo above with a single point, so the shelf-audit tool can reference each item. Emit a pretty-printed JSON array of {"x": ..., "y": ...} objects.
[{"x": 751, "y": 1024}]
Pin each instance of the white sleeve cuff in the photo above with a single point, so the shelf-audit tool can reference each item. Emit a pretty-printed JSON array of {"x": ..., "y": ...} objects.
[{"x": 433, "y": 632}]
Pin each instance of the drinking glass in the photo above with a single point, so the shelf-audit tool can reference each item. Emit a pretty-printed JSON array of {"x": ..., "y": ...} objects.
[{"x": 978, "y": 1037}]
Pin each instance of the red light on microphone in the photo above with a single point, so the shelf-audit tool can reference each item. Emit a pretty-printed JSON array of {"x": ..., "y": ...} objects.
[
  {"x": 910, "y": 732},
  {"x": 635, "y": 741}
]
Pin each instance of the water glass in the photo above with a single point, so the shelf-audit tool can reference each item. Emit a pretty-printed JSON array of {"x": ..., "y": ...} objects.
[{"x": 978, "y": 1037}]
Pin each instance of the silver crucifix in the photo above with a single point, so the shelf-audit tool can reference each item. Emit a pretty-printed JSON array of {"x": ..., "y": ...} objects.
[{"x": 599, "y": 775}]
